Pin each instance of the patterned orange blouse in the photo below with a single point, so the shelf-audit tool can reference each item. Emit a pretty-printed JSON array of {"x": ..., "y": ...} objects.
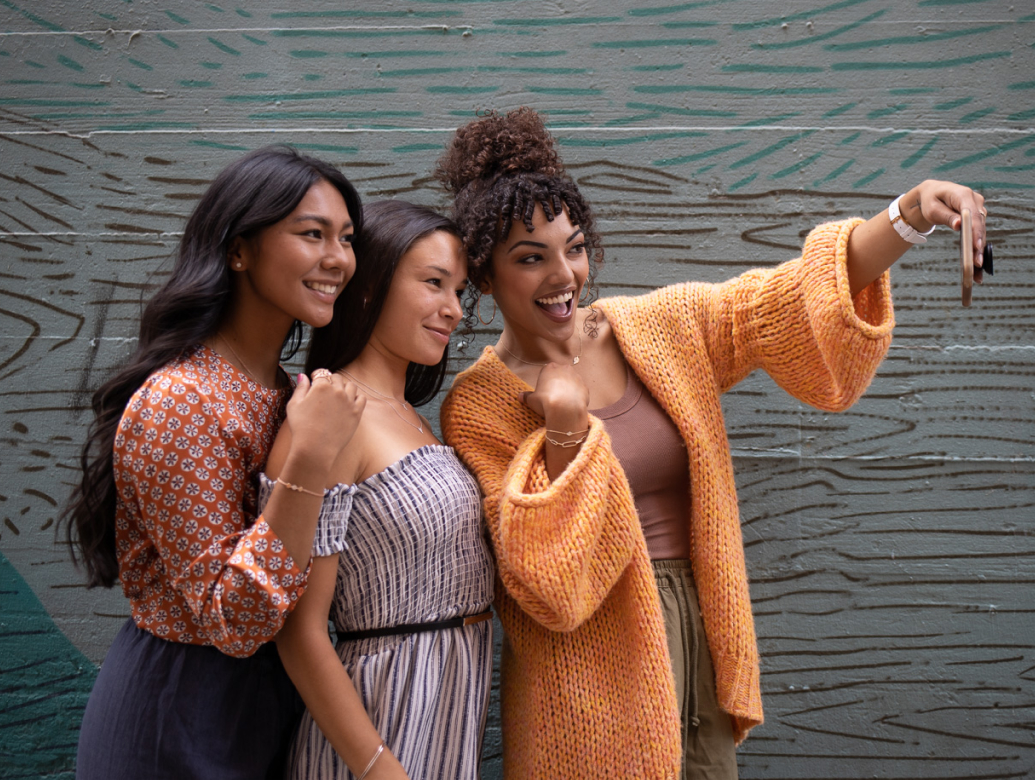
[{"x": 196, "y": 564}]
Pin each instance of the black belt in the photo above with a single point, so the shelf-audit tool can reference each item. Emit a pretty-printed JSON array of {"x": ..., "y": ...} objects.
[{"x": 417, "y": 628}]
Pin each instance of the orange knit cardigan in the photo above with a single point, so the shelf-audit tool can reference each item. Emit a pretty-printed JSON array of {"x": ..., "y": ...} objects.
[{"x": 587, "y": 685}]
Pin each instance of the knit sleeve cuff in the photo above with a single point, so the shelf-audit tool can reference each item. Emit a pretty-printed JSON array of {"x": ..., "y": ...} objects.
[
  {"x": 528, "y": 485},
  {"x": 870, "y": 312}
]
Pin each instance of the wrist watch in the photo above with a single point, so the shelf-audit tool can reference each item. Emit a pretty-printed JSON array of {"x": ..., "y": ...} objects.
[{"x": 903, "y": 228}]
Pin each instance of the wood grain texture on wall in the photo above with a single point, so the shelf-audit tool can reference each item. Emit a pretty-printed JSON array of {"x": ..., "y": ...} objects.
[{"x": 891, "y": 548}]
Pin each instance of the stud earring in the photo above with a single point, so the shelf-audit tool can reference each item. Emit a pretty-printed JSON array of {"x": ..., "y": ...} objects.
[{"x": 237, "y": 266}]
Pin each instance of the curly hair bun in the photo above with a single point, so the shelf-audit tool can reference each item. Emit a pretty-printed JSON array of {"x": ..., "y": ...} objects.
[{"x": 494, "y": 144}]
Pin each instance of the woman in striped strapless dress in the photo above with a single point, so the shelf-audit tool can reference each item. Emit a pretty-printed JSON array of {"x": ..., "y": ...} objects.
[{"x": 400, "y": 561}]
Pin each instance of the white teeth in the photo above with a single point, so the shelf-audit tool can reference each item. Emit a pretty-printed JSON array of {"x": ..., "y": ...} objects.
[
  {"x": 324, "y": 288},
  {"x": 556, "y": 299}
]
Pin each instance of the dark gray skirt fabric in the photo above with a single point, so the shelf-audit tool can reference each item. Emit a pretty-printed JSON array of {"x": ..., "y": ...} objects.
[{"x": 164, "y": 709}]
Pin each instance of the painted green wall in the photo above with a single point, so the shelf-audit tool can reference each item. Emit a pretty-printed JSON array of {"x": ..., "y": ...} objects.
[{"x": 891, "y": 548}]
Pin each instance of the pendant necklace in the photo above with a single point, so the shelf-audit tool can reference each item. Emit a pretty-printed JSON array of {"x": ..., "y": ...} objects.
[
  {"x": 574, "y": 360},
  {"x": 388, "y": 399}
]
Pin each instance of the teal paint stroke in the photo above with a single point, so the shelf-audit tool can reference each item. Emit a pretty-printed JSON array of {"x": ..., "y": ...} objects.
[
  {"x": 629, "y": 140},
  {"x": 45, "y": 681},
  {"x": 557, "y": 21},
  {"x": 768, "y": 120},
  {"x": 850, "y": 138},
  {"x": 688, "y": 24},
  {"x": 570, "y": 91},
  {"x": 256, "y": 41},
  {"x": 800, "y": 165},
  {"x": 675, "y": 9},
  {"x": 353, "y": 14},
  {"x": 912, "y": 40},
  {"x": 877, "y": 113},
  {"x": 890, "y": 139},
  {"x": 699, "y": 112},
  {"x": 840, "y": 109},
  {"x": 793, "y": 70},
  {"x": 697, "y": 156},
  {"x": 924, "y": 3},
  {"x": 731, "y": 90},
  {"x": 453, "y": 90},
  {"x": 834, "y": 173},
  {"x": 322, "y": 95},
  {"x": 644, "y": 43},
  {"x": 868, "y": 178},
  {"x": 951, "y": 104},
  {"x": 326, "y": 148},
  {"x": 385, "y": 54},
  {"x": 983, "y": 155},
  {"x": 167, "y": 42},
  {"x": 921, "y": 65},
  {"x": 919, "y": 154},
  {"x": 44, "y": 23},
  {"x": 973, "y": 116},
  {"x": 176, "y": 18},
  {"x": 810, "y": 14},
  {"x": 223, "y": 47},
  {"x": 355, "y": 115},
  {"x": 743, "y": 182},
  {"x": 771, "y": 149},
  {"x": 820, "y": 37}
]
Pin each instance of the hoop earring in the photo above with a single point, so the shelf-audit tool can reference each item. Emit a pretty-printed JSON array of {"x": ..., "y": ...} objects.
[{"x": 478, "y": 311}]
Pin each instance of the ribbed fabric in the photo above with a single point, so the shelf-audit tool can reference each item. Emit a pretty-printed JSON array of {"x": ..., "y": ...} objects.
[
  {"x": 653, "y": 457},
  {"x": 333, "y": 521},
  {"x": 413, "y": 551},
  {"x": 587, "y": 686}
]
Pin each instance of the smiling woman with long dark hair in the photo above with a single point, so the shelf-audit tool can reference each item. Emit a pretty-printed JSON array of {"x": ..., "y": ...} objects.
[
  {"x": 400, "y": 559},
  {"x": 167, "y": 504}
]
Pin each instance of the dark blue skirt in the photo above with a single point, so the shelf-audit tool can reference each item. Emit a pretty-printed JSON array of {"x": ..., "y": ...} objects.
[{"x": 164, "y": 709}]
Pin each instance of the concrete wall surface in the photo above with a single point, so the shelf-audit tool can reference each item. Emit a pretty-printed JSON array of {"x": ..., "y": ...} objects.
[{"x": 891, "y": 548}]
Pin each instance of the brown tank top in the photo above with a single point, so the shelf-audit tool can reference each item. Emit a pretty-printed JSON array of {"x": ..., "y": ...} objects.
[{"x": 653, "y": 456}]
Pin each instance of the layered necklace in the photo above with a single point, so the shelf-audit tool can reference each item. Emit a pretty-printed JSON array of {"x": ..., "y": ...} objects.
[{"x": 389, "y": 400}]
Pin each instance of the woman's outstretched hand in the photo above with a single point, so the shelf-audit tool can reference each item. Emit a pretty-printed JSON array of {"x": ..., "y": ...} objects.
[
  {"x": 875, "y": 245},
  {"x": 933, "y": 202}
]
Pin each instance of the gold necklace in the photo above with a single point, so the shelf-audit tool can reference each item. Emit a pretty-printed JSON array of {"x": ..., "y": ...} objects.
[
  {"x": 240, "y": 360},
  {"x": 388, "y": 399},
  {"x": 574, "y": 360}
]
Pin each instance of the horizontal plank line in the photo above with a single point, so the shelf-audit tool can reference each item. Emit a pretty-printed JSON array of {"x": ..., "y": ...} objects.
[{"x": 554, "y": 129}]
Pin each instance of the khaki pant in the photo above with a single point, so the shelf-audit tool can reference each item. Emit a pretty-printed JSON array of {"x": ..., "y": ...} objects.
[{"x": 708, "y": 747}]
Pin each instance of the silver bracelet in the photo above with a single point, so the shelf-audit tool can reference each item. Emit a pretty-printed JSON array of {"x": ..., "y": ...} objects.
[{"x": 377, "y": 755}]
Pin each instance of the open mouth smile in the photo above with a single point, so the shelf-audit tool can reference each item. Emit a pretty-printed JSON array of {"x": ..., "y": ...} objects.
[{"x": 557, "y": 306}]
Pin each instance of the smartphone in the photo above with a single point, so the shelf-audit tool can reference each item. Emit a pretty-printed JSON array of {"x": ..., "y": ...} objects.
[{"x": 966, "y": 255}]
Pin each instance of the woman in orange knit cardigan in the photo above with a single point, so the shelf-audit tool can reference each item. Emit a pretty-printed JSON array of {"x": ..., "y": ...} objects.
[{"x": 598, "y": 439}]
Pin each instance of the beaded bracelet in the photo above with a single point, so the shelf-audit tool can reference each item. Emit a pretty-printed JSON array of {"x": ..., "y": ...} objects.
[{"x": 299, "y": 488}]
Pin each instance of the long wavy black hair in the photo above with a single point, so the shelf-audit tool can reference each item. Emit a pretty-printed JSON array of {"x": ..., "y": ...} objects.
[
  {"x": 390, "y": 228},
  {"x": 254, "y": 191}
]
